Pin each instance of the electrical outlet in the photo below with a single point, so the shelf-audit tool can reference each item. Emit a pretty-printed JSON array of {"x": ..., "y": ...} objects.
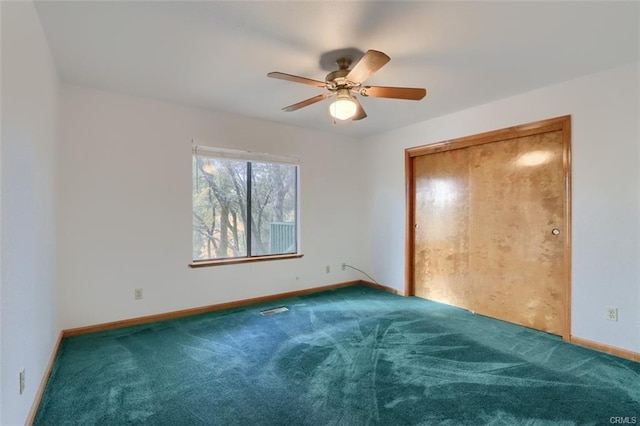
[
  {"x": 612, "y": 313},
  {"x": 21, "y": 375},
  {"x": 327, "y": 269},
  {"x": 137, "y": 294},
  {"x": 344, "y": 265}
]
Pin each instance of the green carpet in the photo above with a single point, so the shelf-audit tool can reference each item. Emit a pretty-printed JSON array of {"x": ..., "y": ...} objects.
[{"x": 354, "y": 356}]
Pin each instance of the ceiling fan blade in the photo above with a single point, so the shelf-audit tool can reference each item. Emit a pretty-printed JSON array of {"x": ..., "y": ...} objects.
[
  {"x": 360, "y": 114},
  {"x": 371, "y": 62},
  {"x": 306, "y": 102},
  {"x": 296, "y": 79},
  {"x": 410, "y": 93}
]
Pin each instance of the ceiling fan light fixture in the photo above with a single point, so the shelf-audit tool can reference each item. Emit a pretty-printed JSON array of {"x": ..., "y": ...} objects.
[{"x": 344, "y": 107}]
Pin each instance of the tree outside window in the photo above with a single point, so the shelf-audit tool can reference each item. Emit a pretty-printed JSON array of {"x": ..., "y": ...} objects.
[{"x": 243, "y": 208}]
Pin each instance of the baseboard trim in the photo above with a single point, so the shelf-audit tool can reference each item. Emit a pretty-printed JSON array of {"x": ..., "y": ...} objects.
[
  {"x": 43, "y": 382},
  {"x": 380, "y": 287},
  {"x": 211, "y": 308},
  {"x": 612, "y": 350}
]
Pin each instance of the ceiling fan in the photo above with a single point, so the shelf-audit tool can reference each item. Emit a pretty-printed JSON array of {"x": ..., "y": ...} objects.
[{"x": 344, "y": 82}]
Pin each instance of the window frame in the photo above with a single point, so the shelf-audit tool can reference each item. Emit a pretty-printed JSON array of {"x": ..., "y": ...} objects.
[{"x": 248, "y": 156}]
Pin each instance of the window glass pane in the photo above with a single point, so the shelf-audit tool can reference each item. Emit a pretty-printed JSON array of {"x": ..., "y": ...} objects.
[
  {"x": 219, "y": 208},
  {"x": 273, "y": 208}
]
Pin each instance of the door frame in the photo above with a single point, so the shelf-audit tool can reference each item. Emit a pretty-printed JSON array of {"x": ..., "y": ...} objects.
[{"x": 563, "y": 124}]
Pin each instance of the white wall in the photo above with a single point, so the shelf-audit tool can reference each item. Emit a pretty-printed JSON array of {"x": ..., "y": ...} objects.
[
  {"x": 606, "y": 196},
  {"x": 29, "y": 117},
  {"x": 124, "y": 173}
]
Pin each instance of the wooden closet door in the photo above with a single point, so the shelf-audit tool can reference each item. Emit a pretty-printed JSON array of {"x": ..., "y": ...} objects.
[
  {"x": 516, "y": 199},
  {"x": 484, "y": 240},
  {"x": 442, "y": 227}
]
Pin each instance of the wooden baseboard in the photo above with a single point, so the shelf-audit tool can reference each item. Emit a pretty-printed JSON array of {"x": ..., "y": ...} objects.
[
  {"x": 43, "y": 382},
  {"x": 381, "y": 287},
  {"x": 612, "y": 350},
  {"x": 211, "y": 308}
]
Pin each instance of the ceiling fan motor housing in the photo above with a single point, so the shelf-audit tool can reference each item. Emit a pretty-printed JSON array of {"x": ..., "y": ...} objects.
[{"x": 338, "y": 80}]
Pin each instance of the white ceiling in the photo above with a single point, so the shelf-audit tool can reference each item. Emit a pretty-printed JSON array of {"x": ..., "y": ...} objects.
[{"x": 216, "y": 54}]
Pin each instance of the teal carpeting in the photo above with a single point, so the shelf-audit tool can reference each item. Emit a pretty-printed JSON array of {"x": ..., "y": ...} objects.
[{"x": 354, "y": 356}]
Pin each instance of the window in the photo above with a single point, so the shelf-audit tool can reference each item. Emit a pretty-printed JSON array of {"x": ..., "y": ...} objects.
[{"x": 245, "y": 206}]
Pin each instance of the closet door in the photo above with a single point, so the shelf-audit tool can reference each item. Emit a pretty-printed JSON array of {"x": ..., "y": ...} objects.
[
  {"x": 516, "y": 199},
  {"x": 489, "y": 229},
  {"x": 442, "y": 227}
]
